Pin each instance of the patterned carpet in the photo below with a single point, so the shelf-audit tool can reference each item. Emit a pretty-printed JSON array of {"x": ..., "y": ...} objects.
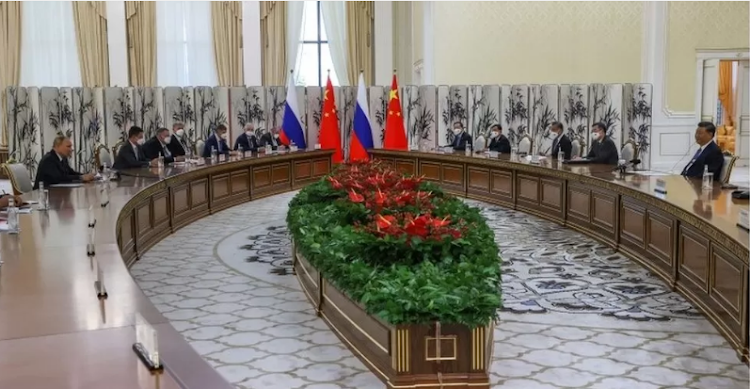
[{"x": 576, "y": 314}]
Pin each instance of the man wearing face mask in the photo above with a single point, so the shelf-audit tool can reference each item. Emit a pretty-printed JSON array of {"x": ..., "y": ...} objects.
[
  {"x": 247, "y": 139},
  {"x": 603, "y": 149},
  {"x": 159, "y": 145},
  {"x": 461, "y": 139},
  {"x": 271, "y": 138},
  {"x": 131, "y": 153},
  {"x": 179, "y": 144},
  {"x": 498, "y": 141},
  {"x": 218, "y": 141},
  {"x": 561, "y": 142}
]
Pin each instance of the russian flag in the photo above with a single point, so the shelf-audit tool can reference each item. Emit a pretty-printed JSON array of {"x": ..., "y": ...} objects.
[
  {"x": 361, "y": 138},
  {"x": 291, "y": 127}
]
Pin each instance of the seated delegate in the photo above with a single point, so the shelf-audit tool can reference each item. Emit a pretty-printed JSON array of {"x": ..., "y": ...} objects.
[
  {"x": 603, "y": 149},
  {"x": 498, "y": 141},
  {"x": 247, "y": 139},
  {"x": 461, "y": 140},
  {"x": 159, "y": 145},
  {"x": 54, "y": 167},
  {"x": 271, "y": 139},
  {"x": 708, "y": 154},
  {"x": 131, "y": 154},
  {"x": 218, "y": 141}
]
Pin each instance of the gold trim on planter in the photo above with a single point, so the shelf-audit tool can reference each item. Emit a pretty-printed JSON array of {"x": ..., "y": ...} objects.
[
  {"x": 380, "y": 346},
  {"x": 478, "y": 345},
  {"x": 401, "y": 351}
]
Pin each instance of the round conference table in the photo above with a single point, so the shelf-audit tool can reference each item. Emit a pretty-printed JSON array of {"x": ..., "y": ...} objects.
[{"x": 56, "y": 332}]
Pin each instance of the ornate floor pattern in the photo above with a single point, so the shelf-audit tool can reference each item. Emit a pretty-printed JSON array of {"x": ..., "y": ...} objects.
[{"x": 576, "y": 314}]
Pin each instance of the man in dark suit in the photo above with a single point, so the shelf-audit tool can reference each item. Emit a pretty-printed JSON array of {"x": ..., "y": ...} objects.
[
  {"x": 603, "y": 149},
  {"x": 159, "y": 145},
  {"x": 218, "y": 141},
  {"x": 247, "y": 139},
  {"x": 498, "y": 141},
  {"x": 271, "y": 138},
  {"x": 708, "y": 154},
  {"x": 178, "y": 145},
  {"x": 561, "y": 142},
  {"x": 54, "y": 167},
  {"x": 461, "y": 140},
  {"x": 131, "y": 154}
]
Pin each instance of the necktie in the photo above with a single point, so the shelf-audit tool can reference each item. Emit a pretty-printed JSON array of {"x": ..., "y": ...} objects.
[
  {"x": 166, "y": 151},
  {"x": 692, "y": 161}
]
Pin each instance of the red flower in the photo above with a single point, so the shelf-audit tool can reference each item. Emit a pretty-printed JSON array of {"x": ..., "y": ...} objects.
[
  {"x": 439, "y": 223},
  {"x": 417, "y": 226},
  {"x": 355, "y": 197},
  {"x": 384, "y": 222},
  {"x": 335, "y": 183},
  {"x": 380, "y": 198}
]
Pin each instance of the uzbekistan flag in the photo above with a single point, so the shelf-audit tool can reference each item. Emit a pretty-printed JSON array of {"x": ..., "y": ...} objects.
[
  {"x": 361, "y": 138},
  {"x": 291, "y": 127}
]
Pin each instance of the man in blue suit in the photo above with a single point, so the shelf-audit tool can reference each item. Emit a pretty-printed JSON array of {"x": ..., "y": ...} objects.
[
  {"x": 217, "y": 140},
  {"x": 247, "y": 139},
  {"x": 708, "y": 154}
]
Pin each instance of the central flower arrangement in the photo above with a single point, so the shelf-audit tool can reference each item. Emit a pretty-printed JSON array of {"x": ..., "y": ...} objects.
[{"x": 407, "y": 252}]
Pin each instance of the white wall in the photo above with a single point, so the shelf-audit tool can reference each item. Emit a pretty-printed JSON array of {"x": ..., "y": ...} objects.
[{"x": 251, "y": 44}]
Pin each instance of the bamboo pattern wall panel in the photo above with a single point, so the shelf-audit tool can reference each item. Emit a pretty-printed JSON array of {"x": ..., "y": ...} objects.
[
  {"x": 378, "y": 107},
  {"x": 93, "y": 116},
  {"x": 544, "y": 111}
]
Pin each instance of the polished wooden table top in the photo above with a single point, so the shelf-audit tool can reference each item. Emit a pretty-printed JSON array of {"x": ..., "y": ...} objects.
[
  {"x": 54, "y": 330},
  {"x": 716, "y": 207}
]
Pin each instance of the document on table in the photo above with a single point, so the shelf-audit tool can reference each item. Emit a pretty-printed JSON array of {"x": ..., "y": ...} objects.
[{"x": 70, "y": 185}]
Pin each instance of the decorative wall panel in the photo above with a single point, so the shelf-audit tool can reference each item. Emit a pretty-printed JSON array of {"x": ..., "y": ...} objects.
[
  {"x": 516, "y": 113},
  {"x": 94, "y": 116},
  {"x": 314, "y": 95},
  {"x": 544, "y": 111},
  {"x": 378, "y": 106}
]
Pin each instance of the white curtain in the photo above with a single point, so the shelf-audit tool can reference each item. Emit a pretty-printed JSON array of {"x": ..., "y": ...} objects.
[
  {"x": 334, "y": 20},
  {"x": 294, "y": 12},
  {"x": 49, "y": 52},
  {"x": 184, "y": 44}
]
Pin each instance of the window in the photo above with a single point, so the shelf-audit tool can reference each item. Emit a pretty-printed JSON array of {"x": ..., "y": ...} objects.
[
  {"x": 314, "y": 53},
  {"x": 49, "y": 50},
  {"x": 184, "y": 44}
]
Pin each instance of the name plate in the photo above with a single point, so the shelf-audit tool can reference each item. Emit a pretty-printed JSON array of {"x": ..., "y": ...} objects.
[
  {"x": 317, "y": 146},
  {"x": 744, "y": 221},
  {"x": 222, "y": 158},
  {"x": 146, "y": 344},
  {"x": 661, "y": 186}
]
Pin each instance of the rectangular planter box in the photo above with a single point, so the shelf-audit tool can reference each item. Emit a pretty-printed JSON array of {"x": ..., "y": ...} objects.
[{"x": 405, "y": 356}]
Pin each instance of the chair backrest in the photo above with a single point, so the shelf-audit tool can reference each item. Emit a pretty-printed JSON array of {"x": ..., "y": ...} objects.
[
  {"x": 116, "y": 148},
  {"x": 726, "y": 169},
  {"x": 199, "y": 144},
  {"x": 628, "y": 151},
  {"x": 575, "y": 149},
  {"x": 479, "y": 143},
  {"x": 524, "y": 146},
  {"x": 102, "y": 156},
  {"x": 19, "y": 178}
]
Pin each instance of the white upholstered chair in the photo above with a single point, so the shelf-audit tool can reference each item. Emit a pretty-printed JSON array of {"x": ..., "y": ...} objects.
[
  {"x": 629, "y": 151},
  {"x": 726, "y": 169},
  {"x": 480, "y": 143},
  {"x": 524, "y": 146},
  {"x": 575, "y": 149},
  {"x": 102, "y": 156},
  {"x": 199, "y": 144},
  {"x": 19, "y": 178}
]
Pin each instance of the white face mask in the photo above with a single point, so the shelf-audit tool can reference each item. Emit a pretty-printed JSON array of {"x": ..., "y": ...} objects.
[
  {"x": 276, "y": 136},
  {"x": 223, "y": 136},
  {"x": 457, "y": 131},
  {"x": 597, "y": 136},
  {"x": 249, "y": 134},
  {"x": 167, "y": 139},
  {"x": 495, "y": 134},
  {"x": 180, "y": 132},
  {"x": 141, "y": 141}
]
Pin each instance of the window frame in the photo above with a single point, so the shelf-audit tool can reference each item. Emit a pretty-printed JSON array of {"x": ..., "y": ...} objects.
[{"x": 318, "y": 42}]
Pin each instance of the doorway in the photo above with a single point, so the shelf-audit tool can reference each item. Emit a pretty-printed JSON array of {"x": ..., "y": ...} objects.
[{"x": 724, "y": 99}]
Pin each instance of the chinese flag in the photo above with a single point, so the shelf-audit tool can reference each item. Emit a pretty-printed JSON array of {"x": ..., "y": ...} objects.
[
  {"x": 329, "y": 137},
  {"x": 395, "y": 133}
]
